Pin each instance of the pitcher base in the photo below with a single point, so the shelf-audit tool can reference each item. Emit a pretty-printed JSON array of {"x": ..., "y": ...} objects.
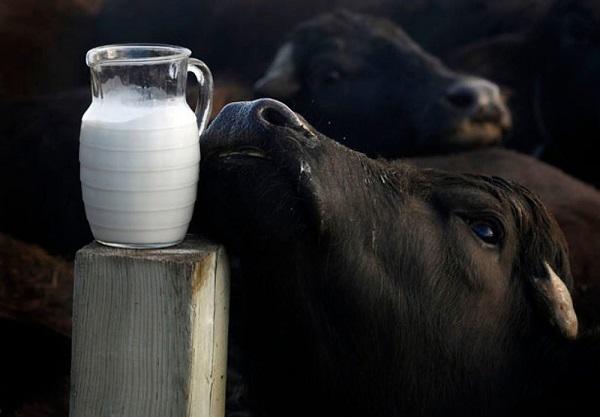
[{"x": 139, "y": 245}]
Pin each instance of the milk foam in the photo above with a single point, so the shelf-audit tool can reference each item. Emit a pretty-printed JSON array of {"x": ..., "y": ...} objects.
[
  {"x": 120, "y": 112},
  {"x": 139, "y": 168}
]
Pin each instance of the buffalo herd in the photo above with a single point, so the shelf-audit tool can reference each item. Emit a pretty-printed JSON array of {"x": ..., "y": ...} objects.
[{"x": 408, "y": 197}]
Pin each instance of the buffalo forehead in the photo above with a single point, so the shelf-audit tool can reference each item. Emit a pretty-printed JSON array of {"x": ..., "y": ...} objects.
[
  {"x": 469, "y": 199},
  {"x": 338, "y": 32},
  {"x": 507, "y": 202}
]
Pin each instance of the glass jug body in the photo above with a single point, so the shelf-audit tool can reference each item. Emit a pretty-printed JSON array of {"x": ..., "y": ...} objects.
[{"x": 139, "y": 144}]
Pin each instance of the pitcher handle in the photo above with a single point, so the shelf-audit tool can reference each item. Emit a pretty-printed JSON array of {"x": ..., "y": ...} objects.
[{"x": 205, "y": 91}]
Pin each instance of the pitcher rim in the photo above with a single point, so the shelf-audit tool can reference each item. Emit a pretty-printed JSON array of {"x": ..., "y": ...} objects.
[{"x": 178, "y": 52}]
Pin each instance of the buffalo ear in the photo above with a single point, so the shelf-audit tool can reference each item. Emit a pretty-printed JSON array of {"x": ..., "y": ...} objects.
[
  {"x": 280, "y": 80},
  {"x": 556, "y": 298}
]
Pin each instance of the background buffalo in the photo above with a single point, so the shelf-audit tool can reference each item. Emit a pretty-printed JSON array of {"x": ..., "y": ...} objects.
[{"x": 365, "y": 82}]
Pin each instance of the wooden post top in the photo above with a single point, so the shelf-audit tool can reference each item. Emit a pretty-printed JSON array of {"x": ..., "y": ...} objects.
[
  {"x": 150, "y": 331},
  {"x": 191, "y": 250}
]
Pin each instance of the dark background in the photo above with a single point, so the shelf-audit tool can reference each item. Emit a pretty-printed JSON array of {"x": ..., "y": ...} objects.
[{"x": 43, "y": 44}]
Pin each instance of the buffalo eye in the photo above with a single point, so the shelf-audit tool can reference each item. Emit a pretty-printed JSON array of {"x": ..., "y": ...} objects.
[{"x": 486, "y": 231}]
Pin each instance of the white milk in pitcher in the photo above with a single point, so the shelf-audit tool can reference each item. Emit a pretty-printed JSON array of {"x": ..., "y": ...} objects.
[{"x": 139, "y": 169}]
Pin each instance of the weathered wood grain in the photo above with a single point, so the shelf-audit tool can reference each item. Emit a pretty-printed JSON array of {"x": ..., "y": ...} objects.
[{"x": 150, "y": 331}]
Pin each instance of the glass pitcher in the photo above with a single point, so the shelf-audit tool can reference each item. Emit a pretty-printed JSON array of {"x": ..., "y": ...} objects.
[{"x": 139, "y": 145}]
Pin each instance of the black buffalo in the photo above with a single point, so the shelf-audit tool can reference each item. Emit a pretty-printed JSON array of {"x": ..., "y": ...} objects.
[
  {"x": 554, "y": 72},
  {"x": 354, "y": 76},
  {"x": 376, "y": 288}
]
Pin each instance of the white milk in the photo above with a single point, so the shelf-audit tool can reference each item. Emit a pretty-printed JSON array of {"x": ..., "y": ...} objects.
[{"x": 139, "y": 169}]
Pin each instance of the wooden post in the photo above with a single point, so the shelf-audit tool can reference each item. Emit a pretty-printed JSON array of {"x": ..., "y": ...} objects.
[{"x": 150, "y": 331}]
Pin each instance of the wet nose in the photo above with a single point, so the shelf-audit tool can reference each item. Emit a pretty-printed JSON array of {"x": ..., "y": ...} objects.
[
  {"x": 274, "y": 114},
  {"x": 479, "y": 100}
]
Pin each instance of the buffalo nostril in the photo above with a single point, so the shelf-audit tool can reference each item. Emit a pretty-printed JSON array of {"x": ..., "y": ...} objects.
[
  {"x": 462, "y": 97},
  {"x": 478, "y": 100},
  {"x": 487, "y": 113},
  {"x": 274, "y": 113},
  {"x": 274, "y": 117}
]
